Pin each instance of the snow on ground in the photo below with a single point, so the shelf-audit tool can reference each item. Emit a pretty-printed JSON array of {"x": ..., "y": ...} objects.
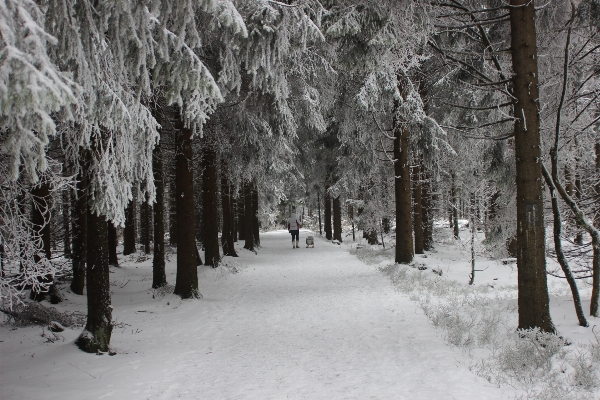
[
  {"x": 307, "y": 323},
  {"x": 292, "y": 323}
]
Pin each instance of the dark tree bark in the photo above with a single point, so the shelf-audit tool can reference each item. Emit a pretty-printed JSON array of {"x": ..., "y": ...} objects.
[
  {"x": 337, "y": 219},
  {"x": 146, "y": 224},
  {"x": 328, "y": 232},
  {"x": 172, "y": 212},
  {"x": 371, "y": 236},
  {"x": 66, "y": 202},
  {"x": 129, "y": 233},
  {"x": 351, "y": 217},
  {"x": 578, "y": 194},
  {"x": 40, "y": 214},
  {"x": 255, "y": 221},
  {"x": 186, "y": 284},
  {"x": 533, "y": 301},
  {"x": 210, "y": 213},
  {"x": 40, "y": 220},
  {"x": 234, "y": 218},
  {"x": 98, "y": 328},
  {"x": 112, "y": 244},
  {"x": 569, "y": 186},
  {"x": 492, "y": 230},
  {"x": 248, "y": 217},
  {"x": 227, "y": 235},
  {"x": 597, "y": 188},
  {"x": 427, "y": 203},
  {"x": 241, "y": 215},
  {"x": 404, "y": 238},
  {"x": 319, "y": 210},
  {"x": 454, "y": 207},
  {"x": 159, "y": 276},
  {"x": 80, "y": 226},
  {"x": 418, "y": 210},
  {"x": 386, "y": 225},
  {"x": 450, "y": 208}
]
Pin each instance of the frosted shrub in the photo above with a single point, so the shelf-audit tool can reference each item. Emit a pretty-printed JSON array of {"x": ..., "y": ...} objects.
[
  {"x": 488, "y": 332},
  {"x": 594, "y": 350},
  {"x": 585, "y": 375},
  {"x": 535, "y": 363},
  {"x": 529, "y": 354}
]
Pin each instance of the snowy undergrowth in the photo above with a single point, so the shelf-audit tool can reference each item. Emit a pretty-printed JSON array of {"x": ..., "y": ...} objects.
[{"x": 480, "y": 321}]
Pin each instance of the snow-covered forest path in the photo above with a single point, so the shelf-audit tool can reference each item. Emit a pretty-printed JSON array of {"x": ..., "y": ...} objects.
[{"x": 294, "y": 323}]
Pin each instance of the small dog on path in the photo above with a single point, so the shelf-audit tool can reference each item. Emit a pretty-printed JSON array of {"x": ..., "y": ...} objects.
[{"x": 310, "y": 241}]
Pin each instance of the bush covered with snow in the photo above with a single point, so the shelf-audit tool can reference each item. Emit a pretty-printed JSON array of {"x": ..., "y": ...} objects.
[{"x": 478, "y": 319}]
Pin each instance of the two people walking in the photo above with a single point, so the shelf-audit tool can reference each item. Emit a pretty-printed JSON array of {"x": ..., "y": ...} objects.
[{"x": 294, "y": 228}]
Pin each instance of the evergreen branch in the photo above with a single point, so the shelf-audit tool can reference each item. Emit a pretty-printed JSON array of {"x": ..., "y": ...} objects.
[
  {"x": 470, "y": 12},
  {"x": 432, "y": 44},
  {"x": 502, "y": 18},
  {"x": 507, "y": 104},
  {"x": 496, "y": 138},
  {"x": 503, "y": 82},
  {"x": 472, "y": 128},
  {"x": 284, "y": 4}
]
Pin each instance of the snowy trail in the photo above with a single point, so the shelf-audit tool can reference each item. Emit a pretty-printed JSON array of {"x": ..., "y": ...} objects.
[{"x": 295, "y": 323}]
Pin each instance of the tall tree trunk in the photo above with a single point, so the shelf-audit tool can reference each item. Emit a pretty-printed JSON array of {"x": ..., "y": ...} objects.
[
  {"x": 112, "y": 244},
  {"x": 578, "y": 194},
  {"x": 129, "y": 233},
  {"x": 66, "y": 200},
  {"x": 80, "y": 206},
  {"x": 569, "y": 187},
  {"x": 233, "y": 215},
  {"x": 427, "y": 203},
  {"x": 98, "y": 328},
  {"x": 186, "y": 283},
  {"x": 173, "y": 211},
  {"x": 418, "y": 210},
  {"x": 597, "y": 188},
  {"x": 351, "y": 217},
  {"x": 337, "y": 219},
  {"x": 454, "y": 207},
  {"x": 319, "y": 210},
  {"x": 328, "y": 233},
  {"x": 255, "y": 221},
  {"x": 159, "y": 276},
  {"x": 40, "y": 214},
  {"x": 404, "y": 238},
  {"x": 40, "y": 221},
  {"x": 146, "y": 224},
  {"x": 533, "y": 301},
  {"x": 248, "y": 217},
  {"x": 210, "y": 213},
  {"x": 493, "y": 230},
  {"x": 241, "y": 214},
  {"x": 227, "y": 235}
]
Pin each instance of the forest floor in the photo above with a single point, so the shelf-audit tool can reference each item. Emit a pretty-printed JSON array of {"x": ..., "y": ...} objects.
[{"x": 307, "y": 323}]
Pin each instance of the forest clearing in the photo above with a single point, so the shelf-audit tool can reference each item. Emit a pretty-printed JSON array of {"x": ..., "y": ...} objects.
[{"x": 445, "y": 155}]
